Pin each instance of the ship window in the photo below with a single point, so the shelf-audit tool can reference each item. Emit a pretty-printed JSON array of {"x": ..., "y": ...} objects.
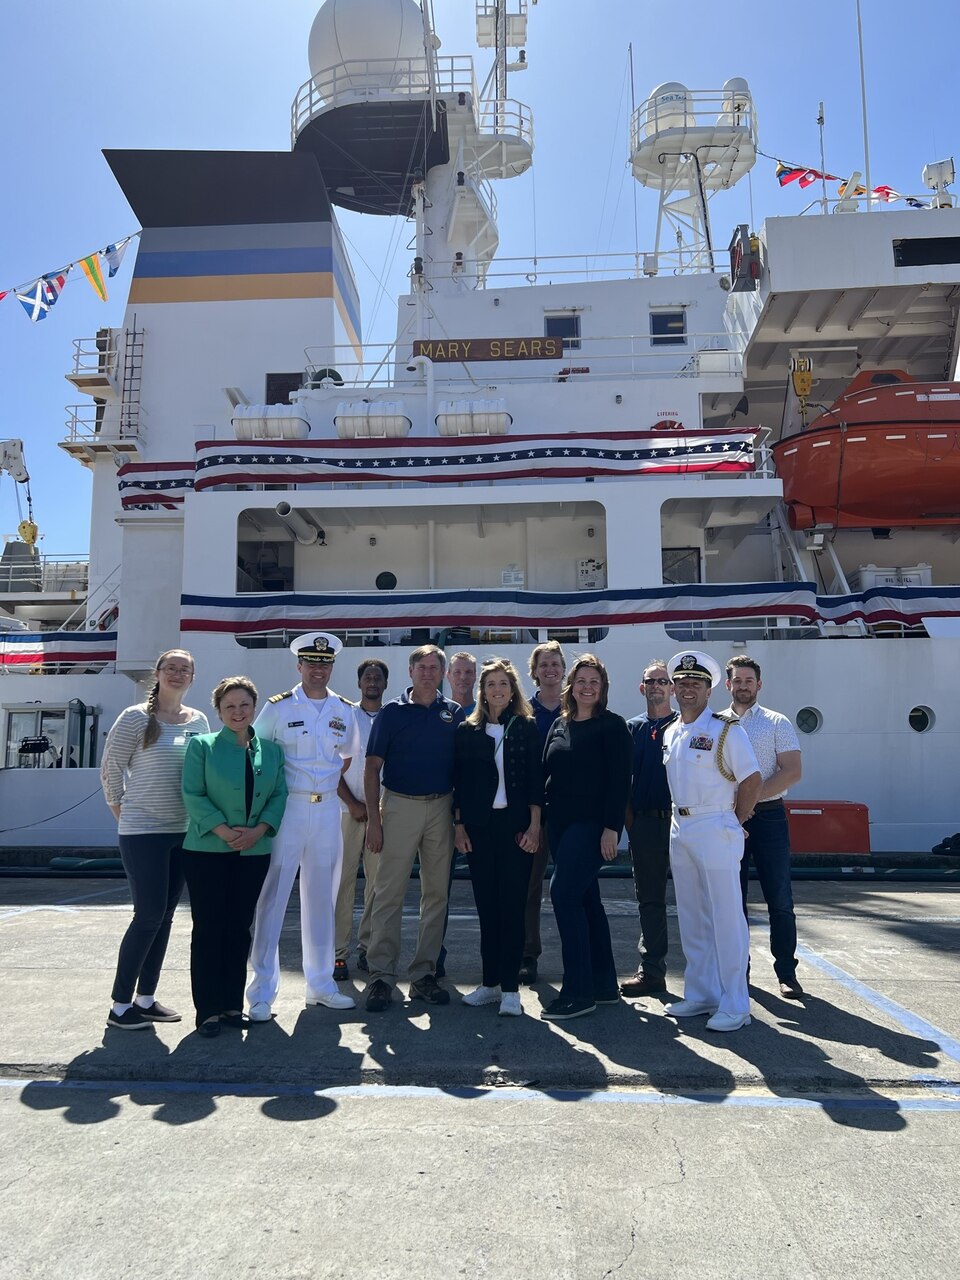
[
  {"x": 809, "y": 720},
  {"x": 35, "y": 739},
  {"x": 922, "y": 719},
  {"x": 386, "y": 581},
  {"x": 280, "y": 387},
  {"x": 564, "y": 326},
  {"x": 668, "y": 328},
  {"x": 681, "y": 565}
]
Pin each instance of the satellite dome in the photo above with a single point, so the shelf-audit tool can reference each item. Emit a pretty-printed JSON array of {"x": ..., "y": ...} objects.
[{"x": 346, "y": 31}]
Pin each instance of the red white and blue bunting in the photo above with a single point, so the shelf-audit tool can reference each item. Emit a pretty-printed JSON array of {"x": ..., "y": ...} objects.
[
  {"x": 384, "y": 611},
  {"x": 439, "y": 460},
  {"x": 26, "y": 650}
]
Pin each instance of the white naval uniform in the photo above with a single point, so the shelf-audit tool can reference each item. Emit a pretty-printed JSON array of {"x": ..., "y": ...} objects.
[
  {"x": 705, "y": 852},
  {"x": 317, "y": 735}
]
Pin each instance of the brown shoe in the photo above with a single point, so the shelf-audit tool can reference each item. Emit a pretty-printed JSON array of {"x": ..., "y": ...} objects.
[
  {"x": 643, "y": 984},
  {"x": 791, "y": 990}
]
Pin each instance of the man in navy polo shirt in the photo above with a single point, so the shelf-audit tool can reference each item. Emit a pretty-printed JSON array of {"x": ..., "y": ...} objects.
[
  {"x": 648, "y": 824},
  {"x": 412, "y": 743}
]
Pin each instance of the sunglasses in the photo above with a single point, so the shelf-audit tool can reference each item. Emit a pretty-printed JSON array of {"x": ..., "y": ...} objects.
[{"x": 657, "y": 680}]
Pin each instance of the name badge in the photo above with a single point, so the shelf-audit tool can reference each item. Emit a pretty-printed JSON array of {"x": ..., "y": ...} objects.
[
  {"x": 294, "y": 724},
  {"x": 192, "y": 733},
  {"x": 701, "y": 744}
]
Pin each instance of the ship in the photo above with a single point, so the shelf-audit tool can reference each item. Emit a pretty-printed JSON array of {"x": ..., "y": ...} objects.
[{"x": 621, "y": 452}]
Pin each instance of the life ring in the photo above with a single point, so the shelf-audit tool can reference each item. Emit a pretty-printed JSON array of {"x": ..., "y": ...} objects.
[{"x": 108, "y": 618}]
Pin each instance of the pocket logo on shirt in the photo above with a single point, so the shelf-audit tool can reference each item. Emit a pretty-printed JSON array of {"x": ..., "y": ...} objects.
[
  {"x": 702, "y": 743},
  {"x": 446, "y": 716}
]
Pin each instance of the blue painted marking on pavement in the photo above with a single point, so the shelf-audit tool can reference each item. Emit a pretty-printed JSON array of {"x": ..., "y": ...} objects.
[
  {"x": 909, "y": 1021},
  {"x": 948, "y": 1101}
]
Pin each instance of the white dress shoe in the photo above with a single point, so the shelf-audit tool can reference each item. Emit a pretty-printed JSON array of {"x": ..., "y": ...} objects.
[
  {"x": 688, "y": 1008},
  {"x": 510, "y": 1006},
  {"x": 728, "y": 1021},
  {"x": 260, "y": 1012},
  {"x": 335, "y": 1000},
  {"x": 482, "y": 995}
]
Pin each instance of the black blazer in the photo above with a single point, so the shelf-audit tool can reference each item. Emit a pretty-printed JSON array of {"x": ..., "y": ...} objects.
[{"x": 475, "y": 774}]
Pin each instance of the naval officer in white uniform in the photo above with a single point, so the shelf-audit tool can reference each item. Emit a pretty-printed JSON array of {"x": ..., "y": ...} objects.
[
  {"x": 714, "y": 782},
  {"x": 318, "y": 732}
]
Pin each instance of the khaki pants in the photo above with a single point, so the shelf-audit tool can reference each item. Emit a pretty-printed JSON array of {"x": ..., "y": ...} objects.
[
  {"x": 354, "y": 834},
  {"x": 409, "y": 825}
]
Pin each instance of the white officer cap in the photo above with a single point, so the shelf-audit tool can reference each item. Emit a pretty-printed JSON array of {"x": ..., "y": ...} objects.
[
  {"x": 692, "y": 664},
  {"x": 316, "y": 646}
]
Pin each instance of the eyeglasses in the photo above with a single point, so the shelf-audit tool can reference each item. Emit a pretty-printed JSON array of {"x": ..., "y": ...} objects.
[
  {"x": 657, "y": 680},
  {"x": 177, "y": 671}
]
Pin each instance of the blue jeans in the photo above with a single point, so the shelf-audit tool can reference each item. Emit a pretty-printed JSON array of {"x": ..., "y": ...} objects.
[
  {"x": 768, "y": 844},
  {"x": 588, "y": 967}
]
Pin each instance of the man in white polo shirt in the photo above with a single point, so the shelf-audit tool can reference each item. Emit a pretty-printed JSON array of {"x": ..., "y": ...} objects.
[
  {"x": 777, "y": 749},
  {"x": 318, "y": 732}
]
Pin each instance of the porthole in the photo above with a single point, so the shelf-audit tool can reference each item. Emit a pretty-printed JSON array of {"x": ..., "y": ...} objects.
[
  {"x": 809, "y": 720},
  {"x": 386, "y": 581},
  {"x": 922, "y": 719}
]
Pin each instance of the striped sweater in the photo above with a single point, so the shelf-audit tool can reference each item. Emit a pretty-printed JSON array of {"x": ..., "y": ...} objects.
[{"x": 146, "y": 784}]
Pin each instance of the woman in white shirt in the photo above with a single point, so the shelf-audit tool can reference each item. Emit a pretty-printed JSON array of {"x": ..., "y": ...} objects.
[{"x": 141, "y": 776}]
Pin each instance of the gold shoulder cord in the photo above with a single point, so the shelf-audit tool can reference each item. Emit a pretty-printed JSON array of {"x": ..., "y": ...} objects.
[{"x": 724, "y": 771}]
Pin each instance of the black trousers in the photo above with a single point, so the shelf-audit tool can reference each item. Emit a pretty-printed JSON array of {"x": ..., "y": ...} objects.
[
  {"x": 650, "y": 854},
  {"x": 500, "y": 874},
  {"x": 155, "y": 875},
  {"x": 224, "y": 888}
]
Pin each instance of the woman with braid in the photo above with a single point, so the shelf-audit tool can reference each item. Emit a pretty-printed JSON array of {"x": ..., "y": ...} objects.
[{"x": 141, "y": 776}]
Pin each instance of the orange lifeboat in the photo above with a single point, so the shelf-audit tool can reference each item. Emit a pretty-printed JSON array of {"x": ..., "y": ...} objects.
[{"x": 885, "y": 454}]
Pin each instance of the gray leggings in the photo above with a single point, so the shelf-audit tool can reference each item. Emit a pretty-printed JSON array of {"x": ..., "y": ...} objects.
[{"x": 155, "y": 875}]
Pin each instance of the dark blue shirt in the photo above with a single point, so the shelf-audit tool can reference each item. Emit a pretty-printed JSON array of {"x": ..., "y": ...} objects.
[
  {"x": 649, "y": 789},
  {"x": 543, "y": 717},
  {"x": 416, "y": 744}
]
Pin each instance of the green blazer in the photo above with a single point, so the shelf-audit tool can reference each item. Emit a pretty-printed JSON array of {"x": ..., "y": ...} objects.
[{"x": 214, "y": 789}]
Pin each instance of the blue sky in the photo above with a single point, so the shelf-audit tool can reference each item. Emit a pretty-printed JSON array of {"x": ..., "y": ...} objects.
[{"x": 221, "y": 74}]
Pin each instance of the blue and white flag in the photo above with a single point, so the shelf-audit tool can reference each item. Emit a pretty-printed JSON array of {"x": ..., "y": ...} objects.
[
  {"x": 113, "y": 255},
  {"x": 39, "y": 297}
]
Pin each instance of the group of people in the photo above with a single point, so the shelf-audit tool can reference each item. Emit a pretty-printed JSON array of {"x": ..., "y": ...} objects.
[{"x": 316, "y": 783}]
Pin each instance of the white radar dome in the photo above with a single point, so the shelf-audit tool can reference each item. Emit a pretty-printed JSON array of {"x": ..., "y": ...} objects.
[
  {"x": 363, "y": 31},
  {"x": 668, "y": 107}
]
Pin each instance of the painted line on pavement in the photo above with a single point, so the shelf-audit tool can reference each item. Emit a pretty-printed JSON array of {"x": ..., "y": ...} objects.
[
  {"x": 62, "y": 905},
  {"x": 908, "y": 1020},
  {"x": 947, "y": 1101}
]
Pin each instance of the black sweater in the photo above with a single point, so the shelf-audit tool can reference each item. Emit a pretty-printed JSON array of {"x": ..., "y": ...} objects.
[
  {"x": 587, "y": 765},
  {"x": 475, "y": 774}
]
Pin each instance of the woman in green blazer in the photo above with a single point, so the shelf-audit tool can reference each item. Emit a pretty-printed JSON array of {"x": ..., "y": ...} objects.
[{"x": 235, "y": 793}]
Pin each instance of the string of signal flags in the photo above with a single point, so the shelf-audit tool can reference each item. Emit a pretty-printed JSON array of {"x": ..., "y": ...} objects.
[
  {"x": 41, "y": 294},
  {"x": 805, "y": 177}
]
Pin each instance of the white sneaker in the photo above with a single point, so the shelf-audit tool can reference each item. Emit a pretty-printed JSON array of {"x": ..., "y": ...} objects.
[
  {"x": 482, "y": 995},
  {"x": 335, "y": 1000},
  {"x": 688, "y": 1009},
  {"x": 728, "y": 1021},
  {"x": 510, "y": 1005},
  {"x": 260, "y": 1012}
]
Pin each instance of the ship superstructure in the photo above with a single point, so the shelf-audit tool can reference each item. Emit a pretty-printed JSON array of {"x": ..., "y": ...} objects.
[{"x": 541, "y": 452}]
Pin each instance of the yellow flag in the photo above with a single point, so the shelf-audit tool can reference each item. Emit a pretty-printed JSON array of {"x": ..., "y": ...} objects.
[{"x": 91, "y": 269}]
